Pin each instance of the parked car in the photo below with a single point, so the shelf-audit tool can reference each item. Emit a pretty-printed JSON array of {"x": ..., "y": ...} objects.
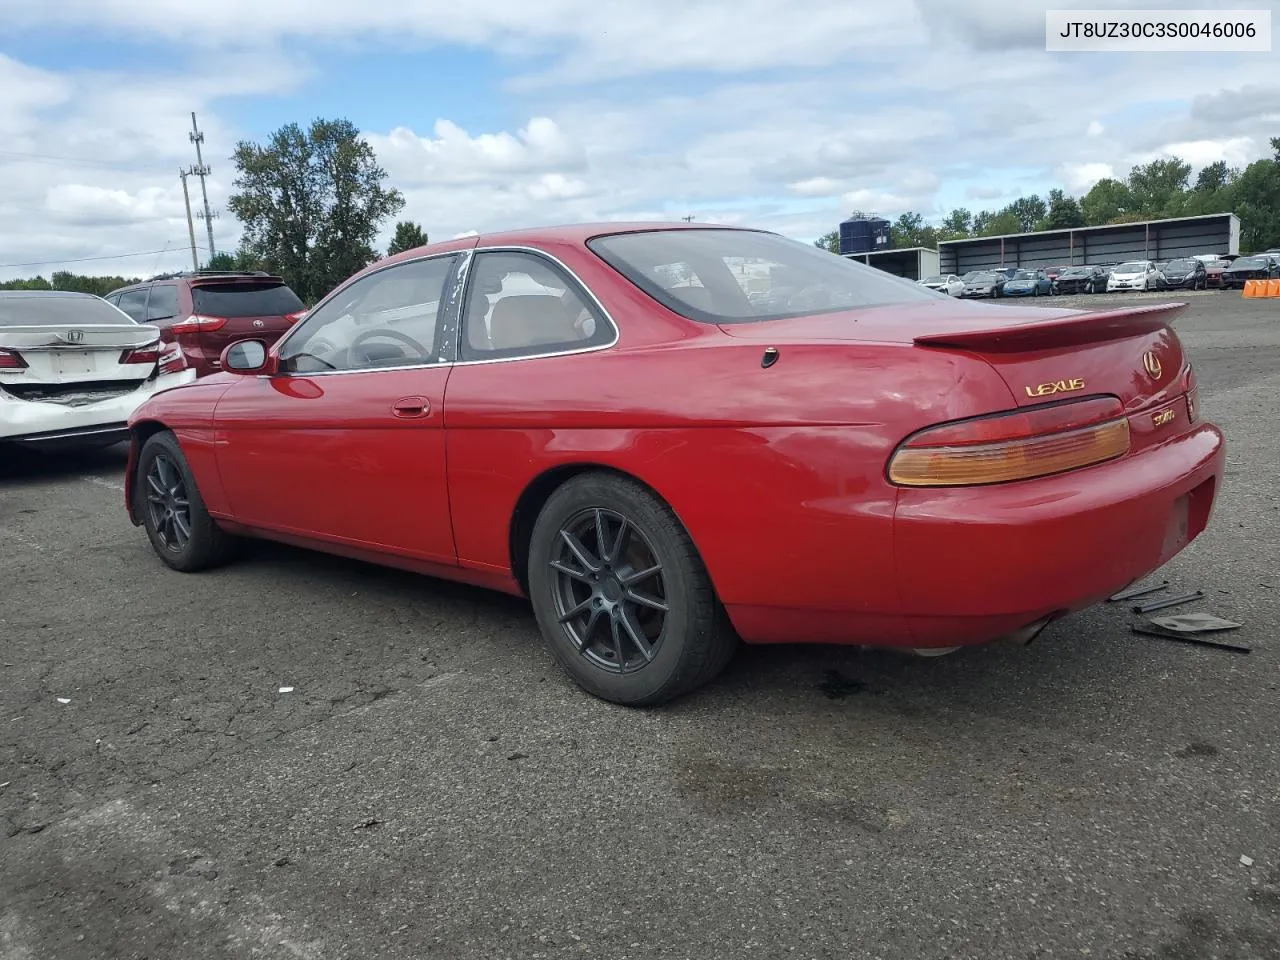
[
  {"x": 204, "y": 311},
  {"x": 1214, "y": 269},
  {"x": 1027, "y": 283},
  {"x": 1133, "y": 275},
  {"x": 1083, "y": 279},
  {"x": 1056, "y": 270},
  {"x": 983, "y": 283},
  {"x": 1184, "y": 274},
  {"x": 1260, "y": 267},
  {"x": 950, "y": 284},
  {"x": 607, "y": 466},
  {"x": 73, "y": 367}
]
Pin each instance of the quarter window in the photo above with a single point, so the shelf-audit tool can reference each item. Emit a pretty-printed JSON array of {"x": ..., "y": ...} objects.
[
  {"x": 134, "y": 303},
  {"x": 164, "y": 302},
  {"x": 521, "y": 304},
  {"x": 384, "y": 319}
]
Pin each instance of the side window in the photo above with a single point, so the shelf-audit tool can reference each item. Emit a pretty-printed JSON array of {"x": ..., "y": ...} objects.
[
  {"x": 521, "y": 304},
  {"x": 164, "y": 302},
  {"x": 134, "y": 303},
  {"x": 384, "y": 319},
  {"x": 113, "y": 299}
]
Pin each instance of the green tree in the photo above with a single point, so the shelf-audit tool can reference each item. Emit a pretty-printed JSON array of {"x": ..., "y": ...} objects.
[
  {"x": 1002, "y": 223},
  {"x": 65, "y": 280},
  {"x": 910, "y": 230},
  {"x": 1106, "y": 200},
  {"x": 1156, "y": 187},
  {"x": 1064, "y": 212},
  {"x": 957, "y": 223},
  {"x": 1213, "y": 177},
  {"x": 407, "y": 236},
  {"x": 829, "y": 241},
  {"x": 1029, "y": 211},
  {"x": 1257, "y": 203},
  {"x": 311, "y": 203},
  {"x": 221, "y": 261}
]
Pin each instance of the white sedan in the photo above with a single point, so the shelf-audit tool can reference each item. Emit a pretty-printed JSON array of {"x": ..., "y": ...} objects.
[
  {"x": 950, "y": 284},
  {"x": 73, "y": 368}
]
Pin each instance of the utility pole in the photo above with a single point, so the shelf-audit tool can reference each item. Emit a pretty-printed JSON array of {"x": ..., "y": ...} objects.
[
  {"x": 191, "y": 226},
  {"x": 201, "y": 171}
]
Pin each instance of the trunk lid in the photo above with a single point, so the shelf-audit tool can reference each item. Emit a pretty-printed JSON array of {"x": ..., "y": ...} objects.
[
  {"x": 75, "y": 365},
  {"x": 1041, "y": 354}
]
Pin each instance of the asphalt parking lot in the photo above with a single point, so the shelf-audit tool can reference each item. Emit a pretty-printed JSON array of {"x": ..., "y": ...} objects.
[{"x": 434, "y": 787}]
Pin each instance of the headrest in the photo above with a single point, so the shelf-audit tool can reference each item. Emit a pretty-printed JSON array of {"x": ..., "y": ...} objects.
[{"x": 519, "y": 321}]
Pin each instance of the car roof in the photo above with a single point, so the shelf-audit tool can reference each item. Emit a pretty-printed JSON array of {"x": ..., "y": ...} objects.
[
  {"x": 570, "y": 233},
  {"x": 46, "y": 295}
]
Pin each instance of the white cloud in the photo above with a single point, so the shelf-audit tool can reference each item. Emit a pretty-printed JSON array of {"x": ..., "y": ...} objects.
[
  {"x": 1079, "y": 177},
  {"x": 780, "y": 117},
  {"x": 815, "y": 187}
]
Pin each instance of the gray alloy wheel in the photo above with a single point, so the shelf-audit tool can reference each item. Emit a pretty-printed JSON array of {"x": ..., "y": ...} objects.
[
  {"x": 181, "y": 531},
  {"x": 621, "y": 595}
]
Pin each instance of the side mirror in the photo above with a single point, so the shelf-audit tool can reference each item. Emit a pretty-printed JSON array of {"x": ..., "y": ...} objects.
[{"x": 248, "y": 357}]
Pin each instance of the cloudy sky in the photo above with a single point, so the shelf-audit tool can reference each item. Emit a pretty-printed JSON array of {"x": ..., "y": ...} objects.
[{"x": 784, "y": 114}]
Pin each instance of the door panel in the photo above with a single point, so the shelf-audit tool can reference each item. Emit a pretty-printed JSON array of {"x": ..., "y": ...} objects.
[
  {"x": 346, "y": 443},
  {"x": 329, "y": 457}
]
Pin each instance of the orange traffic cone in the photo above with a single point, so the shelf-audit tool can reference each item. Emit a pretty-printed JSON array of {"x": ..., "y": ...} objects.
[{"x": 1251, "y": 288}]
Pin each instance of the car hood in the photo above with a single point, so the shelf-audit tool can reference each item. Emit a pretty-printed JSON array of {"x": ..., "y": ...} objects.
[{"x": 1127, "y": 276}]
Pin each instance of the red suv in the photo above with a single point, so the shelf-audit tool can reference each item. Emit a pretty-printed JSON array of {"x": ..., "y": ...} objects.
[{"x": 205, "y": 311}]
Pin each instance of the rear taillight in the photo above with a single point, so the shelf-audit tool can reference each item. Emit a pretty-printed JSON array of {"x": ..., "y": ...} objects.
[
  {"x": 295, "y": 317},
  {"x": 197, "y": 324},
  {"x": 11, "y": 360},
  {"x": 1019, "y": 445},
  {"x": 172, "y": 359},
  {"x": 148, "y": 354}
]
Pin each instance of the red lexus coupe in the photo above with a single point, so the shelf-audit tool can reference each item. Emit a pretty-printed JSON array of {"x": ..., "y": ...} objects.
[{"x": 670, "y": 438}]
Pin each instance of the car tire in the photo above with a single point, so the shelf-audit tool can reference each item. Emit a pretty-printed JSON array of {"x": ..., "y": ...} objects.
[
  {"x": 168, "y": 499},
  {"x": 620, "y": 649}
]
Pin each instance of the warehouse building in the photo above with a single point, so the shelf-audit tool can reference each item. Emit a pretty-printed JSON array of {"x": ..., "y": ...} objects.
[
  {"x": 914, "y": 263},
  {"x": 1150, "y": 240}
]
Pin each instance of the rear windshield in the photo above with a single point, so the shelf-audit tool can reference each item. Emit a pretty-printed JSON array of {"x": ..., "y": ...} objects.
[
  {"x": 58, "y": 312},
  {"x": 248, "y": 299},
  {"x": 742, "y": 276}
]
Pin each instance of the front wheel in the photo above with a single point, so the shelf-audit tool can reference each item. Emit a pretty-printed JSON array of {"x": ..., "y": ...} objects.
[
  {"x": 621, "y": 595},
  {"x": 181, "y": 531}
]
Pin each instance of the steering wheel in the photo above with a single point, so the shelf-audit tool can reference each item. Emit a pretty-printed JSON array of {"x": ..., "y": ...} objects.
[{"x": 422, "y": 352}]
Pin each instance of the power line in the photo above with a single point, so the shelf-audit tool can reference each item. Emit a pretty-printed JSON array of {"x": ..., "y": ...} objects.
[{"x": 118, "y": 256}]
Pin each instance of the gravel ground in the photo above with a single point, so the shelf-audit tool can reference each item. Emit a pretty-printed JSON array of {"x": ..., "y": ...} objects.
[{"x": 433, "y": 787}]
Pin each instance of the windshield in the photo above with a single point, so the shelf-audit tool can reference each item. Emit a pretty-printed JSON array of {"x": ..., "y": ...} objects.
[
  {"x": 980, "y": 277},
  {"x": 934, "y": 280},
  {"x": 1250, "y": 263},
  {"x": 1180, "y": 266},
  {"x": 741, "y": 276},
  {"x": 54, "y": 311},
  {"x": 1024, "y": 275},
  {"x": 1133, "y": 266},
  {"x": 249, "y": 299}
]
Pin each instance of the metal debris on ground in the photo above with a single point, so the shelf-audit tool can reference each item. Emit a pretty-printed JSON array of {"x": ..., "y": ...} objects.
[
  {"x": 1132, "y": 593},
  {"x": 1152, "y": 630},
  {"x": 1195, "y": 623},
  {"x": 1247, "y": 861},
  {"x": 286, "y": 689},
  {"x": 63, "y": 700},
  {"x": 1168, "y": 602}
]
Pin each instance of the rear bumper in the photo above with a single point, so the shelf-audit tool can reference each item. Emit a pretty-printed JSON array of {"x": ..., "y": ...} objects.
[
  {"x": 978, "y": 564},
  {"x": 49, "y": 424},
  {"x": 975, "y": 564}
]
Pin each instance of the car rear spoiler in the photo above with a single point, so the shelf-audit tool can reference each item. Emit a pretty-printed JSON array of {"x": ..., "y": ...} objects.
[{"x": 1069, "y": 331}]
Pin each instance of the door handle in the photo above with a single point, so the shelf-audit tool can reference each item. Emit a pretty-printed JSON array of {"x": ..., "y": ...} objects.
[{"x": 410, "y": 408}]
